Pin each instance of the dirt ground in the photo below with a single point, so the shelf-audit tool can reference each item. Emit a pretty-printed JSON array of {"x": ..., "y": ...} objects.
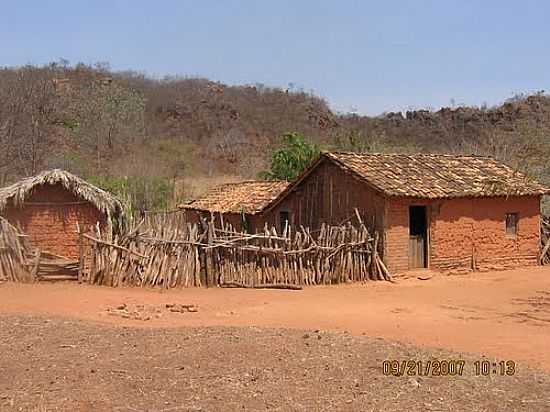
[
  {"x": 502, "y": 314},
  {"x": 70, "y": 365},
  {"x": 84, "y": 348}
]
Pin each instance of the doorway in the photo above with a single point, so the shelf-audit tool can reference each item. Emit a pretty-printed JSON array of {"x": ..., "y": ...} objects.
[{"x": 418, "y": 237}]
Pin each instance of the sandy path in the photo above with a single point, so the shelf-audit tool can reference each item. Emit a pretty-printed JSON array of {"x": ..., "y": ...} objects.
[{"x": 499, "y": 314}]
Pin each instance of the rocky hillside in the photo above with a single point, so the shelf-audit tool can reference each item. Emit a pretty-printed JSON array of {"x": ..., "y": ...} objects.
[{"x": 105, "y": 125}]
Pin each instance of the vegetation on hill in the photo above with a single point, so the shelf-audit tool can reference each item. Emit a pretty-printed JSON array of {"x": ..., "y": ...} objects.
[
  {"x": 149, "y": 139},
  {"x": 288, "y": 161}
]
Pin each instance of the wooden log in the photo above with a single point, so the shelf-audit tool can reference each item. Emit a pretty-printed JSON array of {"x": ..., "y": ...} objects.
[
  {"x": 115, "y": 246},
  {"x": 261, "y": 286}
]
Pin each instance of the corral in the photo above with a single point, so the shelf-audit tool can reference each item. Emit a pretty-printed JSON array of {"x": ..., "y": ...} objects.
[{"x": 348, "y": 217}]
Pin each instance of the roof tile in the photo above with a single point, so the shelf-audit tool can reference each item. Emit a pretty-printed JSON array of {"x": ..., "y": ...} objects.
[
  {"x": 249, "y": 197},
  {"x": 437, "y": 175}
]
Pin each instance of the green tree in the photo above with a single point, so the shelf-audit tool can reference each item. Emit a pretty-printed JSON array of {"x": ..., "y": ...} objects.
[{"x": 291, "y": 159}]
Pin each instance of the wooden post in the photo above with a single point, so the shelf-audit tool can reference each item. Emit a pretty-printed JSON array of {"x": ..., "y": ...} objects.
[
  {"x": 208, "y": 258},
  {"x": 80, "y": 253},
  {"x": 34, "y": 273}
]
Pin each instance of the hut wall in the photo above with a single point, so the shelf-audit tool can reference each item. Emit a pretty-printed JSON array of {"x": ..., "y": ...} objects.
[
  {"x": 49, "y": 217},
  {"x": 235, "y": 219},
  {"x": 192, "y": 216},
  {"x": 328, "y": 194},
  {"x": 493, "y": 248},
  {"x": 396, "y": 235},
  {"x": 467, "y": 231}
]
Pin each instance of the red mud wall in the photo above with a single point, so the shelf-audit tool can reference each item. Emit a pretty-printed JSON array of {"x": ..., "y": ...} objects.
[
  {"x": 49, "y": 217},
  {"x": 467, "y": 231}
]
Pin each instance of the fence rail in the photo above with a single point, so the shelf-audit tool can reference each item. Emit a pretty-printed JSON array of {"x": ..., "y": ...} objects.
[{"x": 168, "y": 253}]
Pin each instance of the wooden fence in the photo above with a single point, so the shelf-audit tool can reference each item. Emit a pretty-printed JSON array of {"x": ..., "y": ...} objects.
[
  {"x": 16, "y": 255},
  {"x": 545, "y": 240},
  {"x": 168, "y": 253}
]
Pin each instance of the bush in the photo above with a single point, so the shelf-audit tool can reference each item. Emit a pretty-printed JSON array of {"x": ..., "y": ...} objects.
[
  {"x": 138, "y": 192},
  {"x": 290, "y": 160}
]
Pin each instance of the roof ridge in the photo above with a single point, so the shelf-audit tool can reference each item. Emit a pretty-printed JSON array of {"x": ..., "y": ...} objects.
[
  {"x": 248, "y": 181},
  {"x": 460, "y": 155}
]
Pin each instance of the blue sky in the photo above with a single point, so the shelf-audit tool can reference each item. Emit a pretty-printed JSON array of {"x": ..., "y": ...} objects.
[{"x": 365, "y": 56}]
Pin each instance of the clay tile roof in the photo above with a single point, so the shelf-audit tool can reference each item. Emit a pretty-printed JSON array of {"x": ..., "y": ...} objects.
[
  {"x": 248, "y": 197},
  {"x": 437, "y": 175}
]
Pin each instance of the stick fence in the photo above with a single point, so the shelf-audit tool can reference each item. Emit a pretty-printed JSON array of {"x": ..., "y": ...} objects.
[{"x": 166, "y": 252}]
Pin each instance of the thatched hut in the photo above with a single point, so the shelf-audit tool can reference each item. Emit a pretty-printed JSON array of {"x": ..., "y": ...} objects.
[{"x": 47, "y": 207}]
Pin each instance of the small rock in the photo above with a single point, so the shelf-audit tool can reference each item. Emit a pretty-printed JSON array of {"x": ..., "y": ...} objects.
[
  {"x": 306, "y": 335},
  {"x": 413, "y": 382},
  {"x": 121, "y": 307}
]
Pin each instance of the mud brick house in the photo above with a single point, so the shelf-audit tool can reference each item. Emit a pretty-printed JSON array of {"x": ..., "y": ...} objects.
[
  {"x": 47, "y": 208},
  {"x": 446, "y": 212},
  {"x": 239, "y": 204}
]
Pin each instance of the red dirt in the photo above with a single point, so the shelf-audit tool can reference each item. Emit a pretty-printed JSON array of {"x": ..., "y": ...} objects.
[{"x": 500, "y": 314}]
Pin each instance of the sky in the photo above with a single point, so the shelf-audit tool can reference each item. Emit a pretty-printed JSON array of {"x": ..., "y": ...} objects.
[{"x": 364, "y": 56}]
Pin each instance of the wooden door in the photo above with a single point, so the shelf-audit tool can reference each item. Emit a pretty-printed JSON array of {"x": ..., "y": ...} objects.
[
  {"x": 417, "y": 246},
  {"x": 418, "y": 237}
]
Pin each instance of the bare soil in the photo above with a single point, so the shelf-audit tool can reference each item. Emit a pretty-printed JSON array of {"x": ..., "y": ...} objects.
[
  {"x": 70, "y": 365},
  {"x": 83, "y": 348}
]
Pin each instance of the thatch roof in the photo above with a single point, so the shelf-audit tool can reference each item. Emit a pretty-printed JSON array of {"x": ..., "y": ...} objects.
[
  {"x": 23, "y": 189},
  {"x": 436, "y": 176},
  {"x": 249, "y": 197}
]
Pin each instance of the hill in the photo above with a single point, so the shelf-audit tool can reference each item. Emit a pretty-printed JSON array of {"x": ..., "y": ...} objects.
[{"x": 161, "y": 140}]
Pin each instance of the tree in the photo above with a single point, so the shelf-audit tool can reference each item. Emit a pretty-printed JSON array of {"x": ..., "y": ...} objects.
[
  {"x": 290, "y": 160},
  {"x": 109, "y": 117},
  {"x": 28, "y": 111}
]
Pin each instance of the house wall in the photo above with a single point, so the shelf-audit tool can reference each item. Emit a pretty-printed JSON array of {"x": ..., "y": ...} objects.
[
  {"x": 49, "y": 217},
  {"x": 235, "y": 219},
  {"x": 328, "y": 195},
  {"x": 466, "y": 231}
]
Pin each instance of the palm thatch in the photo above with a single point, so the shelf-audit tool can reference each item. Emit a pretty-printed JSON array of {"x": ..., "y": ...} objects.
[{"x": 23, "y": 189}]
